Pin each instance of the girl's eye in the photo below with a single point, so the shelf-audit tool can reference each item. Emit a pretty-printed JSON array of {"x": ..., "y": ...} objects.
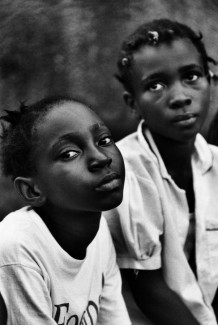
[
  {"x": 156, "y": 86},
  {"x": 106, "y": 141},
  {"x": 192, "y": 77},
  {"x": 68, "y": 154}
]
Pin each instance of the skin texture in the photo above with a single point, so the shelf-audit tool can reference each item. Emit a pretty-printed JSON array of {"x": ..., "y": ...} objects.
[
  {"x": 171, "y": 93},
  {"x": 74, "y": 154},
  {"x": 169, "y": 81}
]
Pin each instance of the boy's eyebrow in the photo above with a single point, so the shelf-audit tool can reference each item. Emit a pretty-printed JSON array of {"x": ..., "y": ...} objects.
[
  {"x": 73, "y": 136},
  {"x": 97, "y": 126},
  {"x": 162, "y": 74}
]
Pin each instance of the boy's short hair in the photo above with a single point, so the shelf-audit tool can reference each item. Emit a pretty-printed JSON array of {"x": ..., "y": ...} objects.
[
  {"x": 19, "y": 139},
  {"x": 153, "y": 33}
]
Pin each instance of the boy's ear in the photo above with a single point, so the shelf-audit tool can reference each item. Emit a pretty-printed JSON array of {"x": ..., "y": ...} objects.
[{"x": 30, "y": 191}]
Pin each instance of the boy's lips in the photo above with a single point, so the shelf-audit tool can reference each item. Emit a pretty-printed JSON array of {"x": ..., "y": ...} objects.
[{"x": 109, "y": 182}]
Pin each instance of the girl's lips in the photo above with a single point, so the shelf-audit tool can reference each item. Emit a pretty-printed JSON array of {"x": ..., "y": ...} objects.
[
  {"x": 187, "y": 119},
  {"x": 183, "y": 117}
]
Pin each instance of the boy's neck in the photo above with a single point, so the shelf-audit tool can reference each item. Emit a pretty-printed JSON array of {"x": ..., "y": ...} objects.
[{"x": 73, "y": 233}]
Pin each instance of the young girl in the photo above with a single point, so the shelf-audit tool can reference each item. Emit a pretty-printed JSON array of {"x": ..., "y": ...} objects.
[
  {"x": 212, "y": 136},
  {"x": 166, "y": 229},
  {"x": 57, "y": 262}
]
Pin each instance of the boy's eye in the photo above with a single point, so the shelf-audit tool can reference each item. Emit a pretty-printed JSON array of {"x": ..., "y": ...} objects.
[
  {"x": 105, "y": 141},
  {"x": 156, "y": 86},
  {"x": 68, "y": 154}
]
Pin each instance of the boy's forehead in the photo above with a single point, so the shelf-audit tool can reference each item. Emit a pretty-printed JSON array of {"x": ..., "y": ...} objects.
[
  {"x": 74, "y": 111},
  {"x": 70, "y": 117},
  {"x": 71, "y": 106},
  {"x": 75, "y": 135},
  {"x": 61, "y": 128}
]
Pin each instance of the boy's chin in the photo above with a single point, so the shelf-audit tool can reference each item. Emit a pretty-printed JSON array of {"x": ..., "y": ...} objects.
[{"x": 113, "y": 203}]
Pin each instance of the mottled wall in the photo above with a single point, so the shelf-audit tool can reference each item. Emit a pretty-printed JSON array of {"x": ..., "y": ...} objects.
[{"x": 71, "y": 46}]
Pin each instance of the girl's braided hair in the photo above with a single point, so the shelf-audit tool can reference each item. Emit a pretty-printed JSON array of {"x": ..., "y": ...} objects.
[
  {"x": 154, "y": 33},
  {"x": 19, "y": 138}
]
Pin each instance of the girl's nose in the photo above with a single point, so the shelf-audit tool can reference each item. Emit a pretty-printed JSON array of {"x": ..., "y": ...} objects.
[
  {"x": 178, "y": 98},
  {"x": 98, "y": 160},
  {"x": 180, "y": 101}
]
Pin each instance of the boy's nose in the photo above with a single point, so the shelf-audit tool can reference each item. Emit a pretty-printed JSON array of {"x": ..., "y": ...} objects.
[{"x": 98, "y": 159}]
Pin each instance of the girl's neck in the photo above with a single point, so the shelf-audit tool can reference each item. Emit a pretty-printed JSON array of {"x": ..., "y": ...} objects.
[
  {"x": 73, "y": 232},
  {"x": 176, "y": 155},
  {"x": 177, "y": 159}
]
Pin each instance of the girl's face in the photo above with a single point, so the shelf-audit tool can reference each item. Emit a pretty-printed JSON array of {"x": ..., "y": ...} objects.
[
  {"x": 171, "y": 91},
  {"x": 78, "y": 165}
]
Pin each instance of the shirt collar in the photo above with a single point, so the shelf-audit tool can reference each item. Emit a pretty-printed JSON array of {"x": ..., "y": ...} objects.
[{"x": 202, "y": 157}]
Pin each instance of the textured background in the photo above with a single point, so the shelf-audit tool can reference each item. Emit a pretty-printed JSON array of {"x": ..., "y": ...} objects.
[{"x": 70, "y": 47}]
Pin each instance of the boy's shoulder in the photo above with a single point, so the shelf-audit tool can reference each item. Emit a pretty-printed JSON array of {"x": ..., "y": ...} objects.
[
  {"x": 18, "y": 236},
  {"x": 103, "y": 237},
  {"x": 15, "y": 223}
]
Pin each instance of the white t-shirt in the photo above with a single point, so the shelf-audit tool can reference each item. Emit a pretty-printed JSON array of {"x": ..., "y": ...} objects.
[
  {"x": 151, "y": 228},
  {"x": 42, "y": 284}
]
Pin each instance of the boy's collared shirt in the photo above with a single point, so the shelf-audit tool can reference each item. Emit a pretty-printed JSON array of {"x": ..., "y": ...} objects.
[{"x": 151, "y": 225}]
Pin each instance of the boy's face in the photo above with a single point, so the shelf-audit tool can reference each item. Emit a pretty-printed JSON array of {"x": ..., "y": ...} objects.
[
  {"x": 171, "y": 91},
  {"x": 78, "y": 165}
]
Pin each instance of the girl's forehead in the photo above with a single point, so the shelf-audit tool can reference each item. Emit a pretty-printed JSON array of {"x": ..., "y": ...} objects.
[{"x": 177, "y": 52}]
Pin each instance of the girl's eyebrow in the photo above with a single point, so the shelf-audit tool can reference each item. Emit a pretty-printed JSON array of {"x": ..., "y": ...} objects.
[
  {"x": 163, "y": 74},
  {"x": 156, "y": 75},
  {"x": 191, "y": 67}
]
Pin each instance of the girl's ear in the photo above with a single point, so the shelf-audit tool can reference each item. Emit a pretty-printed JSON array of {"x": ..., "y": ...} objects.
[
  {"x": 29, "y": 191},
  {"x": 129, "y": 99},
  {"x": 131, "y": 102}
]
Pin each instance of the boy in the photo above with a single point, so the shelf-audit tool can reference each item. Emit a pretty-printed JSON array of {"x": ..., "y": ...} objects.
[{"x": 57, "y": 261}]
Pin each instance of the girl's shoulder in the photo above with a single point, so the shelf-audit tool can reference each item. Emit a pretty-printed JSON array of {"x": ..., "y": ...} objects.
[
  {"x": 214, "y": 152},
  {"x": 130, "y": 141},
  {"x": 206, "y": 155},
  {"x": 135, "y": 145}
]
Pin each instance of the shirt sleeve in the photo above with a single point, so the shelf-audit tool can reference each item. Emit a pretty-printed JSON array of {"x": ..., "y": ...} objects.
[
  {"x": 112, "y": 306},
  {"x": 137, "y": 224},
  {"x": 26, "y": 296}
]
